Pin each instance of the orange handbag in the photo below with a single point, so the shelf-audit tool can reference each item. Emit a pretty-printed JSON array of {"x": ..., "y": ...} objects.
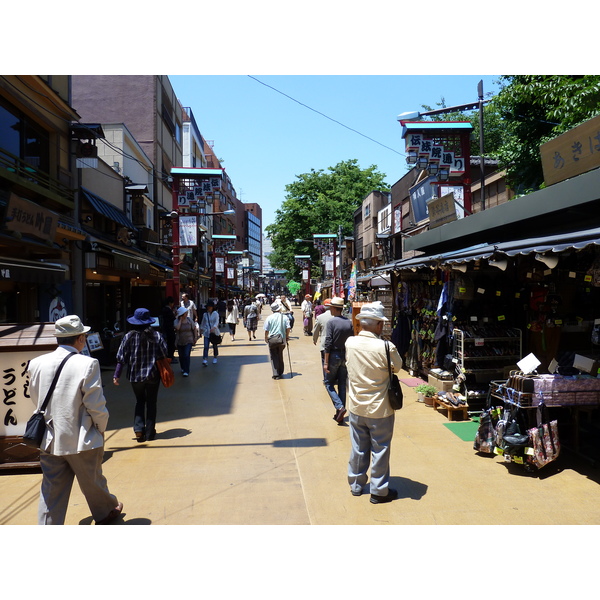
[{"x": 166, "y": 372}]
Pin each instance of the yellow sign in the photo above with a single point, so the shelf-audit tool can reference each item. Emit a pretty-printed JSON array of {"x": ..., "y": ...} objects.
[{"x": 572, "y": 153}]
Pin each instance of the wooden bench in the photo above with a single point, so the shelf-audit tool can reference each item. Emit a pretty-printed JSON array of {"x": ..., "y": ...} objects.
[{"x": 455, "y": 413}]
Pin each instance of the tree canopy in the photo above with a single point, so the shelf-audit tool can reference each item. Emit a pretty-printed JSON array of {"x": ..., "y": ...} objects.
[
  {"x": 319, "y": 202},
  {"x": 535, "y": 109}
]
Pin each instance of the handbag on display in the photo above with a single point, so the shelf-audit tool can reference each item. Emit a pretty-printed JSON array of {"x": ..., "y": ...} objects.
[
  {"x": 544, "y": 439},
  {"x": 485, "y": 438},
  {"x": 166, "y": 372},
  {"x": 36, "y": 426},
  {"x": 395, "y": 394}
]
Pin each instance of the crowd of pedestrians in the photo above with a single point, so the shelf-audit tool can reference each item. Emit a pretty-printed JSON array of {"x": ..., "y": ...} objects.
[{"x": 354, "y": 367}]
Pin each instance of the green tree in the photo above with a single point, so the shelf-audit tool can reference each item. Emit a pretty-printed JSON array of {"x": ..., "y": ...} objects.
[
  {"x": 535, "y": 109},
  {"x": 319, "y": 202}
]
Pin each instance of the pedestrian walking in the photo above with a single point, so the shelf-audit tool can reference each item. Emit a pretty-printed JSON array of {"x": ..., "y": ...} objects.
[
  {"x": 250, "y": 315},
  {"x": 307, "y": 314},
  {"x": 277, "y": 332},
  {"x": 139, "y": 350},
  {"x": 190, "y": 305},
  {"x": 232, "y": 318},
  {"x": 337, "y": 330},
  {"x": 187, "y": 334},
  {"x": 286, "y": 309},
  {"x": 319, "y": 308},
  {"x": 208, "y": 326},
  {"x": 167, "y": 326},
  {"x": 371, "y": 417},
  {"x": 319, "y": 333},
  {"x": 76, "y": 419}
]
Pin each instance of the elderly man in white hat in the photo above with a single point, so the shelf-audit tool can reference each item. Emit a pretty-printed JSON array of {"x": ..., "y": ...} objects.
[
  {"x": 371, "y": 416},
  {"x": 277, "y": 334},
  {"x": 76, "y": 418}
]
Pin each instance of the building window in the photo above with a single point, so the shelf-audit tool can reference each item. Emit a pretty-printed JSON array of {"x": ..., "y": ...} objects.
[{"x": 23, "y": 139}]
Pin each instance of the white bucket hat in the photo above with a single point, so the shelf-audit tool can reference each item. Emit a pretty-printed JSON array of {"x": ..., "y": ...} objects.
[
  {"x": 69, "y": 326},
  {"x": 374, "y": 311}
]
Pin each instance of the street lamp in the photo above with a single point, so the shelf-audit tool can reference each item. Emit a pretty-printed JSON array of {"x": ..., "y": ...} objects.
[
  {"x": 411, "y": 157},
  {"x": 326, "y": 243},
  {"x": 304, "y": 262},
  {"x": 226, "y": 243}
]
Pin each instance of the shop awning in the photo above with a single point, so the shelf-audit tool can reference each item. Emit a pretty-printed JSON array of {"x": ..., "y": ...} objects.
[
  {"x": 17, "y": 270},
  {"x": 542, "y": 244},
  {"x": 110, "y": 211}
]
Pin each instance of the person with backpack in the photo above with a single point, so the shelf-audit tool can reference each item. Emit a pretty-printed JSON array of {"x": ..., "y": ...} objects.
[{"x": 250, "y": 318}]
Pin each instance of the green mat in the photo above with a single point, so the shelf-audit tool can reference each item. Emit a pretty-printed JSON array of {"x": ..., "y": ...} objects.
[{"x": 465, "y": 430}]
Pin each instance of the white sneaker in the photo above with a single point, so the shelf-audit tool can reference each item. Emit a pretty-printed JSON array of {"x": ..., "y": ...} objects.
[
  {"x": 214, "y": 361},
  {"x": 205, "y": 362}
]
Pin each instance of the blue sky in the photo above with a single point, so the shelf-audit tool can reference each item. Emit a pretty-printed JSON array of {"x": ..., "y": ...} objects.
[{"x": 266, "y": 139}]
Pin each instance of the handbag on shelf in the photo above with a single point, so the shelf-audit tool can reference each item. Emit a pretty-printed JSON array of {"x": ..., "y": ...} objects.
[
  {"x": 395, "y": 394},
  {"x": 166, "y": 372},
  {"x": 36, "y": 426}
]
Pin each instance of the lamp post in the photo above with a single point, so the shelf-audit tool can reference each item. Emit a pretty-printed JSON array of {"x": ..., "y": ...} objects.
[
  {"x": 326, "y": 243},
  {"x": 304, "y": 262},
  {"x": 442, "y": 174},
  {"x": 226, "y": 242},
  {"x": 187, "y": 186}
]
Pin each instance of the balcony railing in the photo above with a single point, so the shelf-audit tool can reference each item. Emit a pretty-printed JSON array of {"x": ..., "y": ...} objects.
[{"x": 19, "y": 171}]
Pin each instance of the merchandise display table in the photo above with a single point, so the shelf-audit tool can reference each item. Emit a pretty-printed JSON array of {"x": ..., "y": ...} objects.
[{"x": 455, "y": 413}]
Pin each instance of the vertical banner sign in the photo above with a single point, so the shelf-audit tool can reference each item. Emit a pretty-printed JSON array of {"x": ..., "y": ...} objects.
[
  {"x": 219, "y": 264},
  {"x": 304, "y": 274},
  {"x": 188, "y": 231},
  {"x": 17, "y": 405},
  {"x": 230, "y": 273}
]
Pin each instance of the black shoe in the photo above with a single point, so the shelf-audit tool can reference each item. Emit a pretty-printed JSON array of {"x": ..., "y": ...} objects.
[
  {"x": 356, "y": 493},
  {"x": 339, "y": 415},
  {"x": 139, "y": 436},
  {"x": 152, "y": 435},
  {"x": 391, "y": 495}
]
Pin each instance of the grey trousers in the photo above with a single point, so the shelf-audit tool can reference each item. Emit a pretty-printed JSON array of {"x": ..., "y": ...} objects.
[
  {"x": 370, "y": 443},
  {"x": 58, "y": 474}
]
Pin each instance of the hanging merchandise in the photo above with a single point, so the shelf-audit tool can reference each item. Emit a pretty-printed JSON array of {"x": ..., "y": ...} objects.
[{"x": 544, "y": 439}]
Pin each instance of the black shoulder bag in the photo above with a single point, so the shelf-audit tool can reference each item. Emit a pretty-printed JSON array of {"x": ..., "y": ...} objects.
[
  {"x": 395, "y": 395},
  {"x": 36, "y": 426}
]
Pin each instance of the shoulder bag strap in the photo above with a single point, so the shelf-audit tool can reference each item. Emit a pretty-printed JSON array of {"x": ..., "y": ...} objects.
[
  {"x": 387, "y": 353},
  {"x": 53, "y": 385}
]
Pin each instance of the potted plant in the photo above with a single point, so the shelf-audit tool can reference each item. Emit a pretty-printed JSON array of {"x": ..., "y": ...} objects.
[{"x": 426, "y": 393}]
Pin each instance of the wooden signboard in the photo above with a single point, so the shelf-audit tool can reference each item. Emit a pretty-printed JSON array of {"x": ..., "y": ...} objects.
[{"x": 572, "y": 153}]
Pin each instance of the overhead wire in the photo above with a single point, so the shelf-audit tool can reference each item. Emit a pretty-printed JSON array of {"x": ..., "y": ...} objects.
[{"x": 324, "y": 115}]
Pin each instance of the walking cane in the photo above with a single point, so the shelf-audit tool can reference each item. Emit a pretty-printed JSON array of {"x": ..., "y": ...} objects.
[{"x": 288, "y": 348}]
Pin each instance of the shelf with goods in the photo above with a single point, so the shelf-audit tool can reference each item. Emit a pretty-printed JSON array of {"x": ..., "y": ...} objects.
[{"x": 484, "y": 354}]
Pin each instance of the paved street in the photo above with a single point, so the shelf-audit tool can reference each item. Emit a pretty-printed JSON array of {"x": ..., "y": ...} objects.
[{"x": 235, "y": 447}]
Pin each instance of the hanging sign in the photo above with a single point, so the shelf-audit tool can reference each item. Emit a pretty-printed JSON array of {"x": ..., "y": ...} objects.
[{"x": 188, "y": 231}]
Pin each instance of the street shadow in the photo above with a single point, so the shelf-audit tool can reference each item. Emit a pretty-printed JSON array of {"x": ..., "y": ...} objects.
[
  {"x": 407, "y": 488},
  {"x": 119, "y": 521}
]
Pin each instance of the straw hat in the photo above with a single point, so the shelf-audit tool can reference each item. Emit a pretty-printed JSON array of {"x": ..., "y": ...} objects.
[{"x": 337, "y": 302}]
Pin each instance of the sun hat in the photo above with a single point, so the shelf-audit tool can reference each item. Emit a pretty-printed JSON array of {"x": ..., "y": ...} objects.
[
  {"x": 141, "y": 316},
  {"x": 308, "y": 296},
  {"x": 275, "y": 307},
  {"x": 373, "y": 310},
  {"x": 181, "y": 310},
  {"x": 337, "y": 302},
  {"x": 69, "y": 326},
  {"x": 327, "y": 302}
]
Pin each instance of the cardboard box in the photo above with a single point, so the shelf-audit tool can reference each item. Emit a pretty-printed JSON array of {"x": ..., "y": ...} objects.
[
  {"x": 588, "y": 364},
  {"x": 441, "y": 385}
]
